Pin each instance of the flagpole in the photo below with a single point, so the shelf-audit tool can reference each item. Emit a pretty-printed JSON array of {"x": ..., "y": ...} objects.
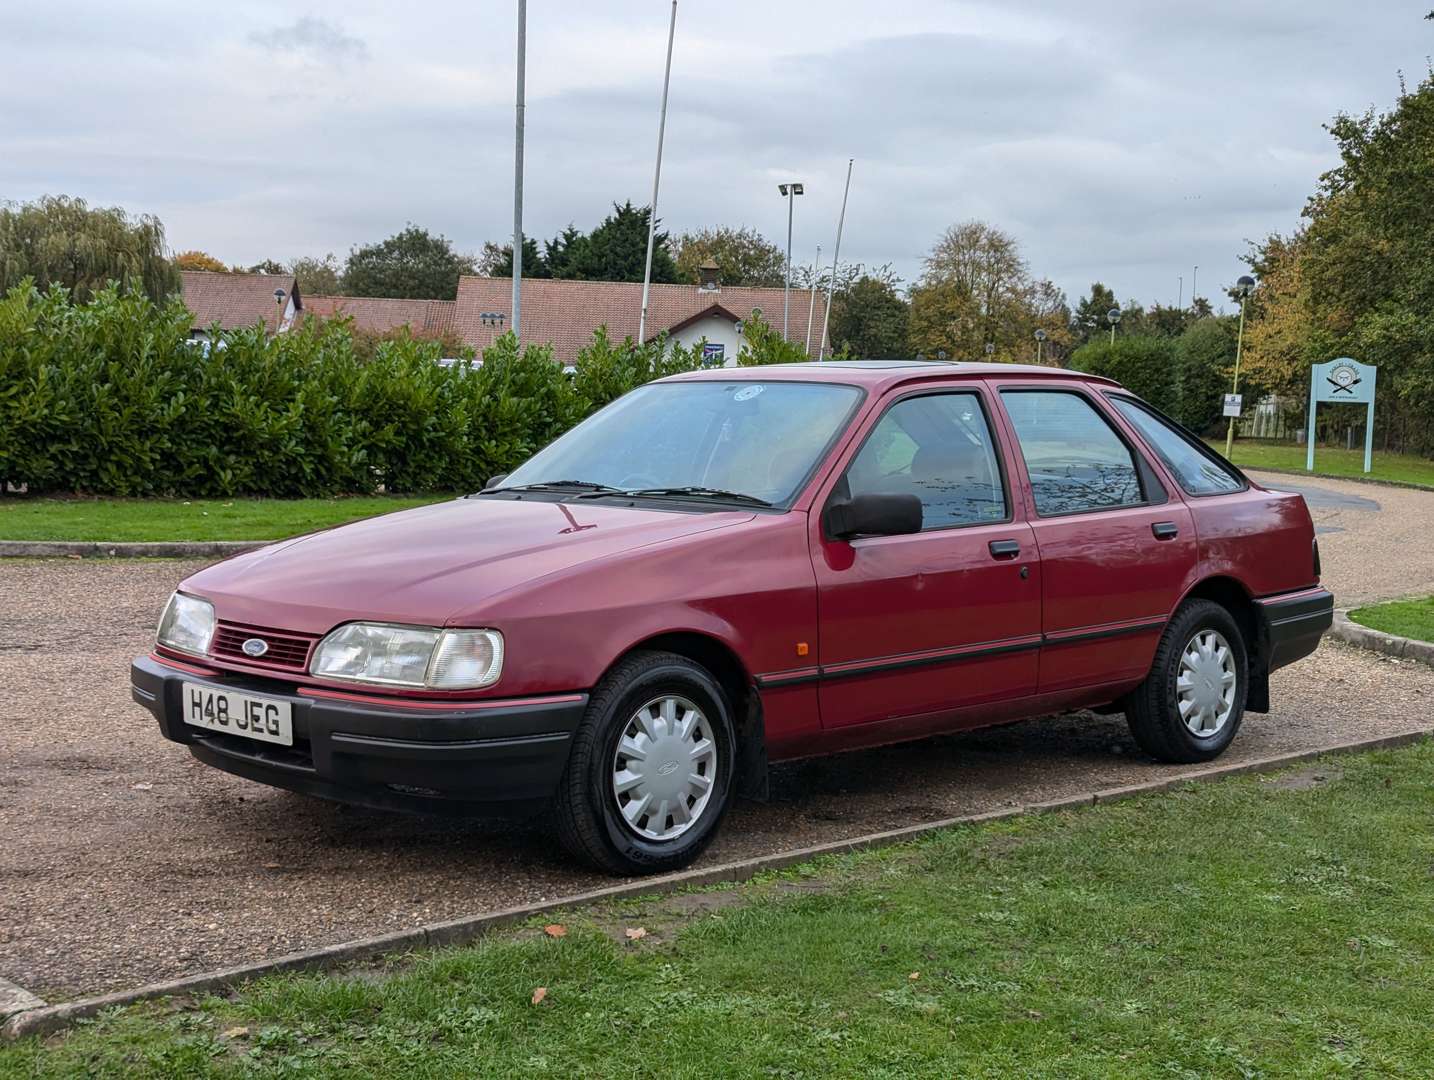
[
  {"x": 656, "y": 180},
  {"x": 518, "y": 172},
  {"x": 812, "y": 305},
  {"x": 836, "y": 256}
]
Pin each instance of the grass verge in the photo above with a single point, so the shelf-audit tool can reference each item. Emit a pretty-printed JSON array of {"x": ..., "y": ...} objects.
[
  {"x": 120, "y": 520},
  {"x": 1280, "y": 925},
  {"x": 1331, "y": 461},
  {"x": 1406, "y": 618}
]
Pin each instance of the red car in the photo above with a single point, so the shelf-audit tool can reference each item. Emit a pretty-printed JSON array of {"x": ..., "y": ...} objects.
[{"x": 732, "y": 567}]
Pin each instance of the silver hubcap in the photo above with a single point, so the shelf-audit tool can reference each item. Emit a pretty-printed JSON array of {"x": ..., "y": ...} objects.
[
  {"x": 664, "y": 769},
  {"x": 1205, "y": 685}
]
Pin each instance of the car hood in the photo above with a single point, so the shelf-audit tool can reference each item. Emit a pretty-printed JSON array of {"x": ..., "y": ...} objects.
[{"x": 425, "y": 565}]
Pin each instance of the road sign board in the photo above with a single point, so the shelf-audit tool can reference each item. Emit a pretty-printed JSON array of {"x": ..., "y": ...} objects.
[{"x": 1232, "y": 404}]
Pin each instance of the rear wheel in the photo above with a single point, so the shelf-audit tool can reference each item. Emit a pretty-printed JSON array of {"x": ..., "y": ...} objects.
[
  {"x": 1192, "y": 702},
  {"x": 650, "y": 774}
]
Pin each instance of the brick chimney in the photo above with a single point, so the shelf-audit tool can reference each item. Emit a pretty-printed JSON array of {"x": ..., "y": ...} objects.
[{"x": 707, "y": 277}]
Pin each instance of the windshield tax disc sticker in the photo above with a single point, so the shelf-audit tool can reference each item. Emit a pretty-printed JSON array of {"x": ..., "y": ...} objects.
[{"x": 747, "y": 393}]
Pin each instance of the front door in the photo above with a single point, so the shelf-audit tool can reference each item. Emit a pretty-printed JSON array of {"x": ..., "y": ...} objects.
[
  {"x": 950, "y": 616},
  {"x": 1117, "y": 550}
]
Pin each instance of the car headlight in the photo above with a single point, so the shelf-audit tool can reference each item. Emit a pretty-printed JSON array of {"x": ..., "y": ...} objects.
[
  {"x": 187, "y": 625},
  {"x": 414, "y": 656}
]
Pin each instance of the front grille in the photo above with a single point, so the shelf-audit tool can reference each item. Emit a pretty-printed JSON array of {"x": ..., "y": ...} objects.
[{"x": 288, "y": 651}]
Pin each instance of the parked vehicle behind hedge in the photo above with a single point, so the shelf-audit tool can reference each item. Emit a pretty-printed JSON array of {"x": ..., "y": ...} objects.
[{"x": 729, "y": 567}]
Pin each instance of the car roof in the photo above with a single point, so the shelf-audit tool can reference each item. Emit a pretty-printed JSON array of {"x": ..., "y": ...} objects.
[{"x": 880, "y": 374}]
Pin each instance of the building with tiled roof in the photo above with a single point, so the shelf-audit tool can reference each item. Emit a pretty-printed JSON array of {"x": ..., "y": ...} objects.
[
  {"x": 235, "y": 301},
  {"x": 379, "y": 315},
  {"x": 564, "y": 314}
]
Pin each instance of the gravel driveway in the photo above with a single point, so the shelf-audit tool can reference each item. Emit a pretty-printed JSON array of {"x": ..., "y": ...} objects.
[{"x": 123, "y": 861}]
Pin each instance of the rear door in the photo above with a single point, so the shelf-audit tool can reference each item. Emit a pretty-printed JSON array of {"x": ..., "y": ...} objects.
[
  {"x": 1117, "y": 549},
  {"x": 944, "y": 618}
]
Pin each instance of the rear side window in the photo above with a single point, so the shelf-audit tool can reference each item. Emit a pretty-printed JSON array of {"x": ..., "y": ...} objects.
[
  {"x": 937, "y": 447},
  {"x": 1075, "y": 459},
  {"x": 1199, "y": 472}
]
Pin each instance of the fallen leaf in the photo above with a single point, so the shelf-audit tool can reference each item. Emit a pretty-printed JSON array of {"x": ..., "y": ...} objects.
[
  {"x": 539, "y": 994},
  {"x": 914, "y": 976},
  {"x": 144, "y": 786},
  {"x": 555, "y": 930},
  {"x": 272, "y": 866},
  {"x": 236, "y": 1033},
  {"x": 635, "y": 933}
]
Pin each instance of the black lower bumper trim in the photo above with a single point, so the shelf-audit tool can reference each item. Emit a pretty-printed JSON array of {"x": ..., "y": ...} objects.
[
  {"x": 464, "y": 760},
  {"x": 1295, "y": 624}
]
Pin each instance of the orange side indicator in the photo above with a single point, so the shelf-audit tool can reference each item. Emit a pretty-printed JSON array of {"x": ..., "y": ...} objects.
[{"x": 802, "y": 648}]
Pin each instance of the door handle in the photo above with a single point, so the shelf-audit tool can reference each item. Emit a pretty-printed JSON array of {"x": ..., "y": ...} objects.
[
  {"x": 1004, "y": 549},
  {"x": 1165, "y": 530}
]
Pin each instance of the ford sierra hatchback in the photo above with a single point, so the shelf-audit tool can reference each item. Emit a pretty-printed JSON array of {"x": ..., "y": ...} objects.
[{"x": 728, "y": 568}]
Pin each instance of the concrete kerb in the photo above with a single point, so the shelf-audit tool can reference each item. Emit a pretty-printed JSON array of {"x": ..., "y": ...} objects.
[
  {"x": 150, "y": 549},
  {"x": 1352, "y": 633},
  {"x": 46, "y": 1019}
]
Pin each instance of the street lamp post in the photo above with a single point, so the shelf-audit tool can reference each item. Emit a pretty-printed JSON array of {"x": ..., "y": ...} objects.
[
  {"x": 789, "y": 191},
  {"x": 1112, "y": 316},
  {"x": 1040, "y": 344},
  {"x": 1243, "y": 288}
]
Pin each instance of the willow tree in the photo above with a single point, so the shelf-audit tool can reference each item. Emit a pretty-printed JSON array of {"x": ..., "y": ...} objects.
[{"x": 58, "y": 240}]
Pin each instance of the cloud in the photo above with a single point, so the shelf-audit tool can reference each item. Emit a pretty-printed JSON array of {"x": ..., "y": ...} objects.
[{"x": 314, "y": 38}]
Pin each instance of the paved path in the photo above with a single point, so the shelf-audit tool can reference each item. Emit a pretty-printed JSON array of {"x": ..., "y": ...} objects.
[{"x": 123, "y": 861}]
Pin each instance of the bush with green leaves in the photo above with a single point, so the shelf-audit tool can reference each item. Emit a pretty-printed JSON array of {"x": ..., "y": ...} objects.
[
  {"x": 112, "y": 397},
  {"x": 1144, "y": 365}
]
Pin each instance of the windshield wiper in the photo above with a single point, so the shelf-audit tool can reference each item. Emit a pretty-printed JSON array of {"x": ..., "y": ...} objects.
[
  {"x": 691, "y": 492},
  {"x": 559, "y": 485}
]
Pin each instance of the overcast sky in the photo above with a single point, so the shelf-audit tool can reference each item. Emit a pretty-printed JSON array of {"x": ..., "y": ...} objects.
[{"x": 1125, "y": 141}]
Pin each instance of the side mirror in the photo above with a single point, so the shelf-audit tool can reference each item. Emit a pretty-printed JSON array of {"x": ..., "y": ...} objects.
[
  {"x": 494, "y": 481},
  {"x": 874, "y": 515}
]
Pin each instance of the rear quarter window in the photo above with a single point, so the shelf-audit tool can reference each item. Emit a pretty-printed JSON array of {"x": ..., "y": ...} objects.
[{"x": 1196, "y": 469}]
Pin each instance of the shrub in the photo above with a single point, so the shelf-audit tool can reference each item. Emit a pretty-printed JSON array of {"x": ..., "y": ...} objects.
[
  {"x": 1144, "y": 365},
  {"x": 1205, "y": 355},
  {"x": 112, "y": 397}
]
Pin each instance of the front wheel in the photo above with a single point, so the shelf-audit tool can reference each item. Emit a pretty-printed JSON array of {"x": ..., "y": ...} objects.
[
  {"x": 1191, "y": 704},
  {"x": 650, "y": 773}
]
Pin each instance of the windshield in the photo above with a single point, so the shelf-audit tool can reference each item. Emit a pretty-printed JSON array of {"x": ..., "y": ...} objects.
[{"x": 756, "y": 439}]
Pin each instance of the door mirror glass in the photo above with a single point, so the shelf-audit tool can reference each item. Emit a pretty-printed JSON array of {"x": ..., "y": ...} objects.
[{"x": 874, "y": 515}]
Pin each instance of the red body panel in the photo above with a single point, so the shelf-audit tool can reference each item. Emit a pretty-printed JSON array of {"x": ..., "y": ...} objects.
[{"x": 848, "y": 643}]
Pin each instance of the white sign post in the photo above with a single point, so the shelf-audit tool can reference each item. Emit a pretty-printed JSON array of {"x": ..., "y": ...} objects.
[
  {"x": 1348, "y": 381},
  {"x": 1232, "y": 405}
]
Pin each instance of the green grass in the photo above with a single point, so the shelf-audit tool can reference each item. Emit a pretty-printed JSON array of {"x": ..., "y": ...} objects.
[
  {"x": 23, "y": 518},
  {"x": 1407, "y": 618},
  {"x": 1252, "y": 927},
  {"x": 1329, "y": 461}
]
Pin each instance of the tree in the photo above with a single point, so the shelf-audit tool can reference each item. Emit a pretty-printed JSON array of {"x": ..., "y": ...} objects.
[
  {"x": 743, "y": 256},
  {"x": 317, "y": 277},
  {"x": 264, "y": 266},
  {"x": 976, "y": 291},
  {"x": 870, "y": 320},
  {"x": 412, "y": 264},
  {"x": 616, "y": 250},
  {"x": 1090, "y": 314},
  {"x": 199, "y": 260},
  {"x": 57, "y": 240},
  {"x": 497, "y": 260}
]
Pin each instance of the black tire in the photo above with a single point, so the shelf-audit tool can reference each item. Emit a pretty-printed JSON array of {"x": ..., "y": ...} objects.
[
  {"x": 585, "y": 810},
  {"x": 1152, "y": 710}
]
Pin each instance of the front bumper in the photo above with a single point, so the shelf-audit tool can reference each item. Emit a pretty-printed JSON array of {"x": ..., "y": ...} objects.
[
  {"x": 1294, "y": 624},
  {"x": 493, "y": 757}
]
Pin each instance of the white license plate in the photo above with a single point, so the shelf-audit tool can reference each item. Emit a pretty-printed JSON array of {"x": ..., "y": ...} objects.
[{"x": 250, "y": 715}]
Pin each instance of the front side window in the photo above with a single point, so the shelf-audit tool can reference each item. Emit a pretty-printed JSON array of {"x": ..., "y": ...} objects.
[
  {"x": 1075, "y": 459},
  {"x": 760, "y": 439},
  {"x": 1199, "y": 472},
  {"x": 937, "y": 447}
]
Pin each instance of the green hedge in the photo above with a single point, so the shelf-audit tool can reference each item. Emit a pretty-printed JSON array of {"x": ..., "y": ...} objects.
[
  {"x": 1185, "y": 376},
  {"x": 111, "y": 397}
]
